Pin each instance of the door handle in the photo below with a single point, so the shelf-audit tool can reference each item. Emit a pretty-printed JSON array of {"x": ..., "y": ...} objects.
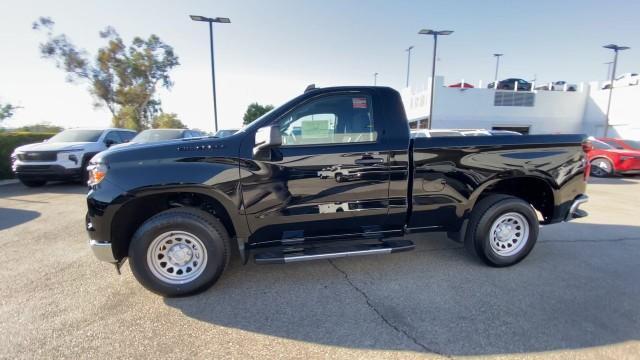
[{"x": 369, "y": 161}]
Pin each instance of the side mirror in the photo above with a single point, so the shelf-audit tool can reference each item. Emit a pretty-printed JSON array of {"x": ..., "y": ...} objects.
[
  {"x": 266, "y": 137},
  {"x": 109, "y": 142}
]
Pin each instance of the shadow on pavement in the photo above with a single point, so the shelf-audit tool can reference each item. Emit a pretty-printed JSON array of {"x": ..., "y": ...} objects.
[
  {"x": 12, "y": 217},
  {"x": 627, "y": 180},
  {"x": 50, "y": 188},
  {"x": 568, "y": 294}
]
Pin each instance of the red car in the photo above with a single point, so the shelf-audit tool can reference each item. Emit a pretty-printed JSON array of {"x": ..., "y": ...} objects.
[
  {"x": 621, "y": 144},
  {"x": 608, "y": 160}
]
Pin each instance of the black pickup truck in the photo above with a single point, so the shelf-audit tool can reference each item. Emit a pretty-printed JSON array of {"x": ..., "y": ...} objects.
[{"x": 331, "y": 173}]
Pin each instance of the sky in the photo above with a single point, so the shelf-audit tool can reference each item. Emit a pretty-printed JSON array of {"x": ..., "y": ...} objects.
[{"x": 273, "y": 49}]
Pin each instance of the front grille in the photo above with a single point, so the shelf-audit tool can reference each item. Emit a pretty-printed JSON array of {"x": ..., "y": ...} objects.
[
  {"x": 33, "y": 168},
  {"x": 38, "y": 156}
]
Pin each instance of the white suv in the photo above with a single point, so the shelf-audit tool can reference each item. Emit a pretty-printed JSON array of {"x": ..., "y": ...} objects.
[{"x": 64, "y": 156}]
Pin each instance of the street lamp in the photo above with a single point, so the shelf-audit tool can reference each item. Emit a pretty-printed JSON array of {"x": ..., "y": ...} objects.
[
  {"x": 495, "y": 78},
  {"x": 435, "y": 34},
  {"x": 615, "y": 49},
  {"x": 375, "y": 78},
  {"x": 608, "y": 63},
  {"x": 221, "y": 20},
  {"x": 408, "y": 50}
]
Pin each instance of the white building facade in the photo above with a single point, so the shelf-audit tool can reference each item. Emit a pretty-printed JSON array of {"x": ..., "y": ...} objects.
[{"x": 533, "y": 112}]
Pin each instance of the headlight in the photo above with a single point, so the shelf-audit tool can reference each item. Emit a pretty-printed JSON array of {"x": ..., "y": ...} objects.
[{"x": 97, "y": 172}]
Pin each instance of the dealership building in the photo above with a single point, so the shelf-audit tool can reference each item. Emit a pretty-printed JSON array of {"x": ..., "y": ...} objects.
[{"x": 531, "y": 112}]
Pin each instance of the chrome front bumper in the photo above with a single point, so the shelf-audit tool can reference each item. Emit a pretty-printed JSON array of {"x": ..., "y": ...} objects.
[
  {"x": 574, "y": 211},
  {"x": 102, "y": 251}
]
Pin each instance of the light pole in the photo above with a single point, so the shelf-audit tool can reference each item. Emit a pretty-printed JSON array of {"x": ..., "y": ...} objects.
[
  {"x": 435, "y": 34},
  {"x": 615, "y": 49},
  {"x": 495, "y": 78},
  {"x": 608, "y": 63},
  {"x": 408, "y": 50},
  {"x": 221, "y": 20},
  {"x": 375, "y": 78}
]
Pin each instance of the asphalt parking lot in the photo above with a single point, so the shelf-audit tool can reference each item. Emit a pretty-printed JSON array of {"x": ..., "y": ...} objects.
[{"x": 577, "y": 295}]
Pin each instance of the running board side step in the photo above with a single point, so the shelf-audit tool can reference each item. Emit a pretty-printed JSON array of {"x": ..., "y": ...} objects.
[{"x": 330, "y": 252}]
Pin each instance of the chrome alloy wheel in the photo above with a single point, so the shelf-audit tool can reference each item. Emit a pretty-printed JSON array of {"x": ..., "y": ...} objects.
[
  {"x": 509, "y": 234},
  {"x": 176, "y": 257}
]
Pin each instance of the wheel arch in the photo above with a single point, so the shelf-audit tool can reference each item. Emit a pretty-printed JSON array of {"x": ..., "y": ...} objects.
[
  {"x": 133, "y": 213},
  {"x": 613, "y": 163},
  {"x": 535, "y": 190}
]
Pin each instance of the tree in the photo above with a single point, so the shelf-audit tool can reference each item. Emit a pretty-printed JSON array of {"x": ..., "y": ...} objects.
[
  {"x": 7, "y": 111},
  {"x": 44, "y": 127},
  {"x": 254, "y": 111},
  {"x": 167, "y": 121},
  {"x": 123, "y": 78}
]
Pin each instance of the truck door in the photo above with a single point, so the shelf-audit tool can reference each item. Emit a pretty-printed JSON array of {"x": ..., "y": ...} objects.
[{"x": 330, "y": 176}]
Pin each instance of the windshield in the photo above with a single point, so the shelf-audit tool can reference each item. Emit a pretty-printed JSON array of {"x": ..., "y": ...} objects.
[
  {"x": 157, "y": 135},
  {"x": 77, "y": 136},
  {"x": 597, "y": 144},
  {"x": 632, "y": 144}
]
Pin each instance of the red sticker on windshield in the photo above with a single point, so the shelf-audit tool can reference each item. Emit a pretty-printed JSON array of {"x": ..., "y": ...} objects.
[{"x": 359, "y": 103}]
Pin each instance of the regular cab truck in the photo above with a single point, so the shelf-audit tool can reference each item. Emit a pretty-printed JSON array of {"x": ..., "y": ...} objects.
[{"x": 331, "y": 173}]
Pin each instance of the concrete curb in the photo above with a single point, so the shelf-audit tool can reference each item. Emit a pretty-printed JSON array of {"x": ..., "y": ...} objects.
[{"x": 9, "y": 182}]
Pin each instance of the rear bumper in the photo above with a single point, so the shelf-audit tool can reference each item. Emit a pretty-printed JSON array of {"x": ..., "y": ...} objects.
[
  {"x": 102, "y": 251},
  {"x": 574, "y": 211}
]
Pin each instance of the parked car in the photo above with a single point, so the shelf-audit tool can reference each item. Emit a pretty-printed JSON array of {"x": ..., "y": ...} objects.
[
  {"x": 225, "y": 133},
  {"x": 154, "y": 135},
  {"x": 509, "y": 84},
  {"x": 503, "y": 132},
  {"x": 626, "y": 79},
  {"x": 175, "y": 209},
  {"x": 422, "y": 133},
  {"x": 64, "y": 156},
  {"x": 474, "y": 132},
  {"x": 560, "y": 85},
  {"x": 461, "y": 85},
  {"x": 608, "y": 161},
  {"x": 622, "y": 143}
]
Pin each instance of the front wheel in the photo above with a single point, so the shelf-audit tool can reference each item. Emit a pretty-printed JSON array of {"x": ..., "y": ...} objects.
[
  {"x": 179, "y": 252},
  {"x": 601, "y": 168},
  {"x": 502, "y": 231}
]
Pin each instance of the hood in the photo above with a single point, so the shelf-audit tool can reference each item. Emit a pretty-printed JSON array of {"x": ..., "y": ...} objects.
[
  {"x": 49, "y": 146},
  {"x": 171, "y": 149}
]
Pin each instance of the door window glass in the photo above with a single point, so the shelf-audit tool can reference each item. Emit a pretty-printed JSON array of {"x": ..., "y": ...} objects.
[
  {"x": 113, "y": 137},
  {"x": 330, "y": 120}
]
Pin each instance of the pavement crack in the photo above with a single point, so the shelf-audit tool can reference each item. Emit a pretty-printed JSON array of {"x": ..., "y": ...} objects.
[{"x": 380, "y": 315}]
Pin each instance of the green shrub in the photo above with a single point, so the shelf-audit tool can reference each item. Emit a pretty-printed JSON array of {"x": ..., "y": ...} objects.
[{"x": 11, "y": 140}]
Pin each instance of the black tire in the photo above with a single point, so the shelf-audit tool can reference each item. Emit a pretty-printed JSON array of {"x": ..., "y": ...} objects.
[
  {"x": 486, "y": 212},
  {"x": 201, "y": 224},
  {"x": 339, "y": 177},
  {"x": 84, "y": 173},
  {"x": 601, "y": 167},
  {"x": 33, "y": 183}
]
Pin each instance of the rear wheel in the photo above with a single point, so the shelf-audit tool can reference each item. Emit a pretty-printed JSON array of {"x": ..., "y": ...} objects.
[
  {"x": 601, "y": 168},
  {"x": 179, "y": 252},
  {"x": 502, "y": 231},
  {"x": 33, "y": 183}
]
